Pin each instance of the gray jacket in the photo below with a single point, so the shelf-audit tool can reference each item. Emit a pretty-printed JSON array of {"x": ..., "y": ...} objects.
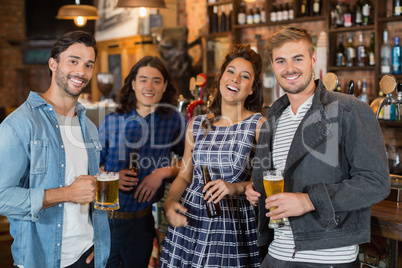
[{"x": 338, "y": 157}]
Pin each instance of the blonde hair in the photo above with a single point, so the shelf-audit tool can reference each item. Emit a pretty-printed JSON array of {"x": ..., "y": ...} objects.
[{"x": 289, "y": 34}]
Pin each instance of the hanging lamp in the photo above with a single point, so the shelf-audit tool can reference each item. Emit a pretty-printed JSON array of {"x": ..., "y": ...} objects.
[{"x": 79, "y": 13}]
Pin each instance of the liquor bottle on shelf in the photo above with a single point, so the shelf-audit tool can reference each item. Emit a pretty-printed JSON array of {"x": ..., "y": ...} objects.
[
  {"x": 316, "y": 7},
  {"x": 371, "y": 51},
  {"x": 363, "y": 93},
  {"x": 397, "y": 8},
  {"x": 339, "y": 20},
  {"x": 386, "y": 55},
  {"x": 263, "y": 14},
  {"x": 347, "y": 15},
  {"x": 250, "y": 16},
  {"x": 289, "y": 6},
  {"x": 350, "y": 53},
  {"x": 304, "y": 8},
  {"x": 366, "y": 12},
  {"x": 241, "y": 15},
  {"x": 351, "y": 87},
  {"x": 223, "y": 19},
  {"x": 285, "y": 12},
  {"x": 279, "y": 13},
  {"x": 213, "y": 209},
  {"x": 257, "y": 15},
  {"x": 361, "y": 52},
  {"x": 214, "y": 22},
  {"x": 358, "y": 13},
  {"x": 274, "y": 13},
  {"x": 230, "y": 15},
  {"x": 396, "y": 57},
  {"x": 340, "y": 53}
]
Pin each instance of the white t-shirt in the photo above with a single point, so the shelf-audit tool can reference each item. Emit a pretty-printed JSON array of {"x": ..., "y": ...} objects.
[{"x": 78, "y": 231}]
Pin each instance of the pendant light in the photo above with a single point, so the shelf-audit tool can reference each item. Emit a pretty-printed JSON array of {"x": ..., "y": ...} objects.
[
  {"x": 79, "y": 13},
  {"x": 141, "y": 3}
]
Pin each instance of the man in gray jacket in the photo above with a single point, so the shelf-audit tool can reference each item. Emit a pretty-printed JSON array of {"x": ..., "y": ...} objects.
[{"x": 332, "y": 152}]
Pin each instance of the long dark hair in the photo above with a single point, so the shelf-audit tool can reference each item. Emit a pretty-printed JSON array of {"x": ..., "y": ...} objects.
[
  {"x": 127, "y": 98},
  {"x": 254, "y": 101},
  {"x": 70, "y": 38}
]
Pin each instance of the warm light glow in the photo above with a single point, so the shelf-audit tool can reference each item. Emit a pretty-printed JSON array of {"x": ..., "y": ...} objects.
[
  {"x": 143, "y": 12},
  {"x": 250, "y": 1},
  {"x": 80, "y": 21}
]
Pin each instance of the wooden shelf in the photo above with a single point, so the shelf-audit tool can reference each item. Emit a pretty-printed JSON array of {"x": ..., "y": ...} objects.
[
  {"x": 352, "y": 29},
  {"x": 354, "y": 68},
  {"x": 390, "y": 19},
  {"x": 221, "y": 2}
]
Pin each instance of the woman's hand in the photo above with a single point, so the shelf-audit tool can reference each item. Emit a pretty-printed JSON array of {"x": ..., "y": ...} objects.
[
  {"x": 217, "y": 189},
  {"x": 174, "y": 213}
]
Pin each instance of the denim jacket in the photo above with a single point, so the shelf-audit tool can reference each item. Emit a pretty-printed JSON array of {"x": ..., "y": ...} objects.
[
  {"x": 338, "y": 158},
  {"x": 32, "y": 159}
]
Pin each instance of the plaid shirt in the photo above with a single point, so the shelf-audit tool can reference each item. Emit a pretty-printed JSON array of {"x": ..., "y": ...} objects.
[{"x": 155, "y": 137}]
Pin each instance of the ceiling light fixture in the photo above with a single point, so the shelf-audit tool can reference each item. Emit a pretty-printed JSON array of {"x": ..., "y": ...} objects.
[
  {"x": 141, "y": 3},
  {"x": 79, "y": 13}
]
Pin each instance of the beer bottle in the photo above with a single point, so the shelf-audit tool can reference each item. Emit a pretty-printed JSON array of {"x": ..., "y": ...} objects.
[
  {"x": 213, "y": 209},
  {"x": 133, "y": 165}
]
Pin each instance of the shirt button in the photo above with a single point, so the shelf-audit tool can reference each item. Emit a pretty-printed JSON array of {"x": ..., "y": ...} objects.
[
  {"x": 35, "y": 142},
  {"x": 58, "y": 225},
  {"x": 50, "y": 109},
  {"x": 57, "y": 126},
  {"x": 60, "y": 185},
  {"x": 62, "y": 146},
  {"x": 58, "y": 244},
  {"x": 60, "y": 205},
  {"x": 62, "y": 165}
]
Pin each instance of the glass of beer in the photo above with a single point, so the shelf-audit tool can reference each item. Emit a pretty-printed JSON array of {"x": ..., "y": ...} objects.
[
  {"x": 273, "y": 184},
  {"x": 107, "y": 191}
]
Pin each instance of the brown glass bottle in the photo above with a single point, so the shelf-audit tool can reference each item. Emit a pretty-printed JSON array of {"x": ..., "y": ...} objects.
[
  {"x": 213, "y": 209},
  {"x": 133, "y": 166}
]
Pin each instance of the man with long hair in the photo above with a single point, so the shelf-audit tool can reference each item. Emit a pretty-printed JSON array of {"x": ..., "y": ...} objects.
[{"x": 148, "y": 125}]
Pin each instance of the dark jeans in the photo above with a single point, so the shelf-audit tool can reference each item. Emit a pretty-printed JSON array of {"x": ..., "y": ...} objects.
[
  {"x": 270, "y": 262},
  {"x": 132, "y": 242},
  {"x": 81, "y": 261}
]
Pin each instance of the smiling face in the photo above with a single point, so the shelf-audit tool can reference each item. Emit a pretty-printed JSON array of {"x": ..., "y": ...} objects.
[
  {"x": 149, "y": 87},
  {"x": 73, "y": 71},
  {"x": 293, "y": 67},
  {"x": 236, "y": 83}
]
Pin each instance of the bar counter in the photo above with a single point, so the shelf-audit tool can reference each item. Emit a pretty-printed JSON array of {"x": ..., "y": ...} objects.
[{"x": 386, "y": 221}]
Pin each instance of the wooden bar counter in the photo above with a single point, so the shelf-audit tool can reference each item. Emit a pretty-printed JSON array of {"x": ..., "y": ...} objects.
[{"x": 386, "y": 221}]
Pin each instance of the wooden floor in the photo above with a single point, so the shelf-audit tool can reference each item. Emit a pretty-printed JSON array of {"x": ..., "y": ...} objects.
[{"x": 6, "y": 259}]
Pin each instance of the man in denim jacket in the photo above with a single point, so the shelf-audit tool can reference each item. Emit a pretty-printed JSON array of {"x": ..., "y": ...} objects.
[
  {"x": 332, "y": 152},
  {"x": 46, "y": 174}
]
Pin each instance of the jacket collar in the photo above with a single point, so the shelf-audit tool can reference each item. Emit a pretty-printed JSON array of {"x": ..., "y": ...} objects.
[{"x": 314, "y": 127}]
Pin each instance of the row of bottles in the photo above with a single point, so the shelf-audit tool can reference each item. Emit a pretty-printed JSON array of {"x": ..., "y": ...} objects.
[
  {"x": 391, "y": 55},
  {"x": 360, "y": 90},
  {"x": 310, "y": 8},
  {"x": 282, "y": 12},
  {"x": 252, "y": 16},
  {"x": 343, "y": 15},
  {"x": 355, "y": 54},
  {"x": 221, "y": 19}
]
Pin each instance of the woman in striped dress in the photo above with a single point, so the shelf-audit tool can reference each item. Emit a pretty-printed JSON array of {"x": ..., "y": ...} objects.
[{"x": 224, "y": 140}]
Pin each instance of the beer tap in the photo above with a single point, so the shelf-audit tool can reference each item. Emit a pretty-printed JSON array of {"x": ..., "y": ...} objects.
[
  {"x": 200, "y": 82},
  {"x": 388, "y": 84}
]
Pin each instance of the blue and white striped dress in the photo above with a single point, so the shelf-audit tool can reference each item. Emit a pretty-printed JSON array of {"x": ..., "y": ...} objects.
[{"x": 229, "y": 240}]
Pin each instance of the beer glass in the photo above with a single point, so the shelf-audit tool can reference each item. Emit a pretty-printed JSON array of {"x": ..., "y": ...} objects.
[
  {"x": 107, "y": 191},
  {"x": 273, "y": 184}
]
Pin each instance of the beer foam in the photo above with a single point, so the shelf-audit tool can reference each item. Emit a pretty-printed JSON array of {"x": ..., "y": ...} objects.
[
  {"x": 107, "y": 176},
  {"x": 273, "y": 178}
]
